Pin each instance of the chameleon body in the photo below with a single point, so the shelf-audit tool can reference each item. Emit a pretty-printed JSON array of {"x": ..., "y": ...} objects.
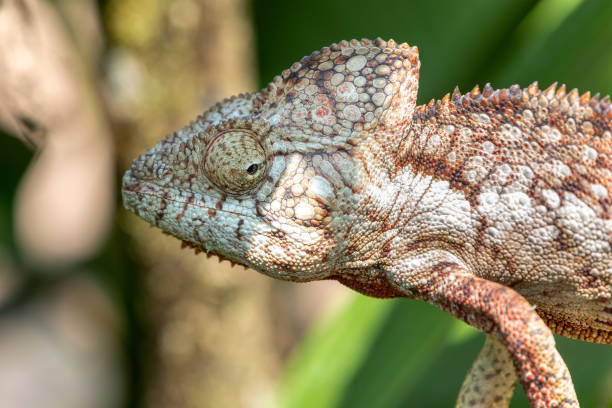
[{"x": 493, "y": 205}]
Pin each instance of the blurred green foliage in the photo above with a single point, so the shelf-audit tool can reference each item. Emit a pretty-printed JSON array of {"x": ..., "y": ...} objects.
[
  {"x": 394, "y": 353},
  {"x": 14, "y": 158}
]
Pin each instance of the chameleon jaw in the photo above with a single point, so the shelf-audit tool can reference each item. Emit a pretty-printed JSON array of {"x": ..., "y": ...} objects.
[{"x": 253, "y": 241}]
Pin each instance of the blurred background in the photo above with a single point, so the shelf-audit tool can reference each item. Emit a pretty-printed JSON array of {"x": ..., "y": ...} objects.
[{"x": 97, "y": 309}]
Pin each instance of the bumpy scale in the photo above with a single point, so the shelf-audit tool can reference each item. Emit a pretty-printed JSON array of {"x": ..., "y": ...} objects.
[{"x": 494, "y": 206}]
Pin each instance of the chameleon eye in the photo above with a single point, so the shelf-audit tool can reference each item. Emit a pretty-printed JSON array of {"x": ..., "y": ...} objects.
[{"x": 235, "y": 161}]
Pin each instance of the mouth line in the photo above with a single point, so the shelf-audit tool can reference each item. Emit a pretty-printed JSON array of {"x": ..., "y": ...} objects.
[{"x": 180, "y": 201}]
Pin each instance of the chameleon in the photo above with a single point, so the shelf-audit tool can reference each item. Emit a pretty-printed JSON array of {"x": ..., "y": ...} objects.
[{"x": 494, "y": 205}]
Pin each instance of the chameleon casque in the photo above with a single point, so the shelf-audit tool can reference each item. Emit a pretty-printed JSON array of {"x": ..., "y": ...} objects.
[{"x": 494, "y": 205}]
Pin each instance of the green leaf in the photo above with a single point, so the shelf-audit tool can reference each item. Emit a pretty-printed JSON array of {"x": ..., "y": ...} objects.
[
  {"x": 323, "y": 364},
  {"x": 371, "y": 344}
]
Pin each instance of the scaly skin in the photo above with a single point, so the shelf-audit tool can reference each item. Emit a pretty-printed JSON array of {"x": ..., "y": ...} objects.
[{"x": 494, "y": 206}]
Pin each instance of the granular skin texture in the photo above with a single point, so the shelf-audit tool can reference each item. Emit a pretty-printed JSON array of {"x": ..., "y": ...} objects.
[{"x": 493, "y": 205}]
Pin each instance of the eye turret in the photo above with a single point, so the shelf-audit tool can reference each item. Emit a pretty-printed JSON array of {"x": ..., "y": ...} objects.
[{"x": 235, "y": 161}]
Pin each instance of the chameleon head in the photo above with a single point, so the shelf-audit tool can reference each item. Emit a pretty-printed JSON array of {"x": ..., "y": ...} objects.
[{"x": 275, "y": 180}]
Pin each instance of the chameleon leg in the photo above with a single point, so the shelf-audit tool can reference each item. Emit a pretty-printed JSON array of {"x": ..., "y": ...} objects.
[
  {"x": 491, "y": 380},
  {"x": 502, "y": 312}
]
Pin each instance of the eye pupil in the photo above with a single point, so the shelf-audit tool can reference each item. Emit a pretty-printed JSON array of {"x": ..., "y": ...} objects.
[{"x": 252, "y": 169}]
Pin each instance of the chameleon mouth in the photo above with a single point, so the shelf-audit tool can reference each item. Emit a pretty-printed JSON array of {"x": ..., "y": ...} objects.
[
  {"x": 138, "y": 188},
  {"x": 136, "y": 192},
  {"x": 135, "y": 189}
]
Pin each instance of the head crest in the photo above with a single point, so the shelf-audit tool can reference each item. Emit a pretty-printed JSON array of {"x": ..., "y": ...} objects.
[{"x": 344, "y": 89}]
